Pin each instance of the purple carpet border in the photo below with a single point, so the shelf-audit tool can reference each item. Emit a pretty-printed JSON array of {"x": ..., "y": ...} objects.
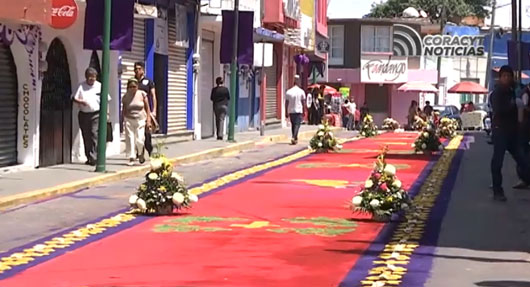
[
  {"x": 126, "y": 225},
  {"x": 422, "y": 258},
  {"x": 360, "y": 270}
]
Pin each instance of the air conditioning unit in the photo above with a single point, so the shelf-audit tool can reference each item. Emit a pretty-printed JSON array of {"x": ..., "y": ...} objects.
[{"x": 145, "y": 11}]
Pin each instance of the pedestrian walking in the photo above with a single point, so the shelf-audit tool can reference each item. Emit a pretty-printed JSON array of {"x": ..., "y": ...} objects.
[
  {"x": 294, "y": 101},
  {"x": 314, "y": 114},
  {"x": 352, "y": 108},
  {"x": 88, "y": 98},
  {"x": 413, "y": 113},
  {"x": 345, "y": 114},
  {"x": 220, "y": 97},
  {"x": 364, "y": 111},
  {"x": 505, "y": 129},
  {"x": 148, "y": 87},
  {"x": 136, "y": 113}
]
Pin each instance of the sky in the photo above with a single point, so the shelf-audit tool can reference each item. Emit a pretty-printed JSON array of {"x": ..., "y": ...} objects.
[{"x": 349, "y": 8}]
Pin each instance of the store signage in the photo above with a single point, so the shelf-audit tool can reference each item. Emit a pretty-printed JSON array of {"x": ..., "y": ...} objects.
[
  {"x": 453, "y": 46},
  {"x": 323, "y": 46},
  {"x": 384, "y": 69},
  {"x": 25, "y": 117},
  {"x": 64, "y": 13},
  {"x": 181, "y": 31},
  {"x": 161, "y": 33}
]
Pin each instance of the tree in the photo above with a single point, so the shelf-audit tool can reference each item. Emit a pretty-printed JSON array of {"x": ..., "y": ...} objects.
[{"x": 433, "y": 8}]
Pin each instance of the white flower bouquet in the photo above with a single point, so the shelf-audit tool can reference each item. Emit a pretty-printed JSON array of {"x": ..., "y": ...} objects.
[
  {"x": 324, "y": 140},
  {"x": 163, "y": 190},
  {"x": 428, "y": 140},
  {"x": 368, "y": 128},
  {"x": 389, "y": 124},
  {"x": 382, "y": 194}
]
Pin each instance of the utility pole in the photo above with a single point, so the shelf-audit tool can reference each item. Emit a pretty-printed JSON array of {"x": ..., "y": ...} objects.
[
  {"x": 519, "y": 45},
  {"x": 233, "y": 75},
  {"x": 514, "y": 24},
  {"x": 439, "y": 63},
  {"x": 102, "y": 130},
  {"x": 490, "y": 50},
  {"x": 263, "y": 89}
]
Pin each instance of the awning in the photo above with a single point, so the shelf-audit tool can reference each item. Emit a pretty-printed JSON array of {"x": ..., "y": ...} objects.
[
  {"x": 30, "y": 11},
  {"x": 418, "y": 87},
  {"x": 268, "y": 36},
  {"x": 523, "y": 75},
  {"x": 327, "y": 89},
  {"x": 468, "y": 88}
]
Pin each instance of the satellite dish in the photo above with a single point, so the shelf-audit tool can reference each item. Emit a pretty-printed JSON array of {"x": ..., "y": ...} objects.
[
  {"x": 423, "y": 14},
  {"x": 411, "y": 12}
]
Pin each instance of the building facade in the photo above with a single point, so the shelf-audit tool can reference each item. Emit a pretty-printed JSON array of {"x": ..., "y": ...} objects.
[
  {"x": 43, "y": 65},
  {"x": 374, "y": 57},
  {"x": 179, "y": 42}
]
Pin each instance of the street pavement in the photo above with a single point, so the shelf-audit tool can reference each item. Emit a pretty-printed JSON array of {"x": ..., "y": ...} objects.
[
  {"x": 29, "y": 223},
  {"x": 35, "y": 179},
  {"x": 482, "y": 242}
]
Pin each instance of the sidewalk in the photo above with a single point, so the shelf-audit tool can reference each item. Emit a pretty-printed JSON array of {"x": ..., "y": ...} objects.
[
  {"x": 483, "y": 242},
  {"x": 28, "y": 186}
]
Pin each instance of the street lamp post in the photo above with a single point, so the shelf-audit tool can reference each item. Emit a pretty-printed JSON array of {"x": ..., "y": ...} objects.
[
  {"x": 233, "y": 75},
  {"x": 102, "y": 129},
  {"x": 490, "y": 50}
]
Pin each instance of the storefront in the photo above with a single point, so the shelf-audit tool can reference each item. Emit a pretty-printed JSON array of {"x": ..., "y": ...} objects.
[
  {"x": 8, "y": 112},
  {"x": 40, "y": 67},
  {"x": 376, "y": 83},
  {"x": 177, "y": 70}
]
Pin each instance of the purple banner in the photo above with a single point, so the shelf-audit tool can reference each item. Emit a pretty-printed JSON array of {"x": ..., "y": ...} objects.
[
  {"x": 121, "y": 35},
  {"x": 245, "y": 49},
  {"x": 525, "y": 57}
]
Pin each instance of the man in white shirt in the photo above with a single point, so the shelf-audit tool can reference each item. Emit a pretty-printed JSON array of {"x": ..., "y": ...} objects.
[
  {"x": 351, "y": 109},
  {"x": 87, "y": 97},
  {"x": 294, "y": 102}
]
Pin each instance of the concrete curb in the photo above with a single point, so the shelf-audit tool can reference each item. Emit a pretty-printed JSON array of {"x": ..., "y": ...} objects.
[{"x": 46, "y": 193}]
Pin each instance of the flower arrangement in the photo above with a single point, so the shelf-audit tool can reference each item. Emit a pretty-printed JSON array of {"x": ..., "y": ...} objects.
[
  {"x": 382, "y": 194},
  {"x": 419, "y": 124},
  {"x": 324, "y": 140},
  {"x": 447, "y": 128},
  {"x": 368, "y": 128},
  {"x": 390, "y": 124},
  {"x": 428, "y": 140},
  {"x": 163, "y": 190}
]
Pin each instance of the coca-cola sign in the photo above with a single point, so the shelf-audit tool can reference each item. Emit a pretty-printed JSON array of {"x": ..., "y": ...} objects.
[
  {"x": 64, "y": 13},
  {"x": 384, "y": 69}
]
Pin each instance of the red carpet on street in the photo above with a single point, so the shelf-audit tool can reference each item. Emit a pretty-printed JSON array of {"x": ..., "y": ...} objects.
[{"x": 286, "y": 227}]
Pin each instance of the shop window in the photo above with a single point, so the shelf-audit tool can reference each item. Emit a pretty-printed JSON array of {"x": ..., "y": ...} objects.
[
  {"x": 376, "y": 39},
  {"x": 336, "y": 38}
]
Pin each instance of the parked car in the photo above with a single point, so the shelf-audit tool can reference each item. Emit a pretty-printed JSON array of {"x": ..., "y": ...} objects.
[{"x": 450, "y": 111}]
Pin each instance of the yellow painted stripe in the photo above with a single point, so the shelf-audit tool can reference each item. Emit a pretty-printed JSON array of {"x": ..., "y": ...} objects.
[{"x": 391, "y": 264}]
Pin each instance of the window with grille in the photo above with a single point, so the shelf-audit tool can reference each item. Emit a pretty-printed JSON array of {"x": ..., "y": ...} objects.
[
  {"x": 336, "y": 51},
  {"x": 376, "y": 39}
]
